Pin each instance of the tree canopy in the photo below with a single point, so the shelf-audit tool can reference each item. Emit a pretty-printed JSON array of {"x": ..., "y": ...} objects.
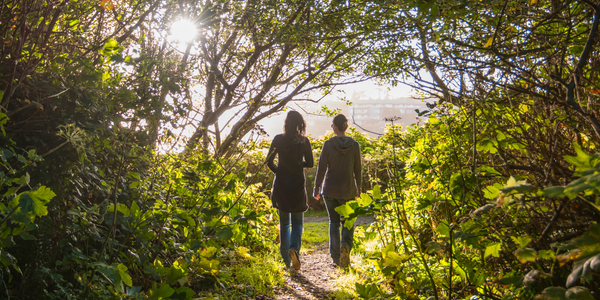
[{"x": 495, "y": 196}]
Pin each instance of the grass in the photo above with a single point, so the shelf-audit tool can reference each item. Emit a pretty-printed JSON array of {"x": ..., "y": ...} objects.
[
  {"x": 315, "y": 213},
  {"x": 250, "y": 277},
  {"x": 315, "y": 233}
]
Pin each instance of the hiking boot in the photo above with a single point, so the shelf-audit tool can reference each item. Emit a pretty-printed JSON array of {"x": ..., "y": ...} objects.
[
  {"x": 295, "y": 259},
  {"x": 344, "y": 256}
]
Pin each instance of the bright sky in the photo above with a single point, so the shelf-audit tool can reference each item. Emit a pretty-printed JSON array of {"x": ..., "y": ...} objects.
[{"x": 368, "y": 90}]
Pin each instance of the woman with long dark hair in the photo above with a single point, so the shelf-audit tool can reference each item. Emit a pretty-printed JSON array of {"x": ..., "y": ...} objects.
[{"x": 288, "y": 195}]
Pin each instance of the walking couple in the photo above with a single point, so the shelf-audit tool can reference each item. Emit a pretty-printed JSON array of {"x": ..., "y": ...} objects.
[{"x": 340, "y": 169}]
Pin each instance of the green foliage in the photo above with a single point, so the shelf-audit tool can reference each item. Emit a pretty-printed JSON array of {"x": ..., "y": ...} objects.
[
  {"x": 18, "y": 210},
  {"x": 496, "y": 196},
  {"x": 442, "y": 229}
]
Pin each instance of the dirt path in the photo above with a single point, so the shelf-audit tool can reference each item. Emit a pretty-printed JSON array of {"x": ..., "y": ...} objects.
[
  {"x": 315, "y": 280},
  {"x": 318, "y": 275}
]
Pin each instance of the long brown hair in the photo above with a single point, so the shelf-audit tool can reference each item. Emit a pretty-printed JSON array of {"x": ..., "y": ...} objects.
[{"x": 294, "y": 126}]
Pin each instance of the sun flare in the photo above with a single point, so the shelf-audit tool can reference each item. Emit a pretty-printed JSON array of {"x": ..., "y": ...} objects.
[{"x": 184, "y": 31}]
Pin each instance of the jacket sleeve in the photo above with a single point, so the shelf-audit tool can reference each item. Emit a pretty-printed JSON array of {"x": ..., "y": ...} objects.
[
  {"x": 309, "y": 160},
  {"x": 271, "y": 157},
  {"x": 358, "y": 169},
  {"x": 321, "y": 169}
]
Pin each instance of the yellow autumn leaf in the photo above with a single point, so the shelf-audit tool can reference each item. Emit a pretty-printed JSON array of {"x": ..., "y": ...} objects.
[{"x": 489, "y": 42}]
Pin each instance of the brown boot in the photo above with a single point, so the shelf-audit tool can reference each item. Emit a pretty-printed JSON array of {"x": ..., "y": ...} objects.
[
  {"x": 295, "y": 259},
  {"x": 344, "y": 256}
]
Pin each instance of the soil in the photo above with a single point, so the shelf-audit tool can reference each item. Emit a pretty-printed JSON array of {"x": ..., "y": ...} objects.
[{"x": 317, "y": 277}]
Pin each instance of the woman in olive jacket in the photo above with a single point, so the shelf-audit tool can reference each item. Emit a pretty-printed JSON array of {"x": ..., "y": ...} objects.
[
  {"x": 340, "y": 167},
  {"x": 289, "y": 189}
]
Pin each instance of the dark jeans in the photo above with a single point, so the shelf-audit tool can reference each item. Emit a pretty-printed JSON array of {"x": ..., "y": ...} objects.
[
  {"x": 335, "y": 221},
  {"x": 291, "y": 226}
]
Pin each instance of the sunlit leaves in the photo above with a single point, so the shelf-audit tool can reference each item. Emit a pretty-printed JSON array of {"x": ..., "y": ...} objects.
[
  {"x": 493, "y": 250},
  {"x": 583, "y": 161},
  {"x": 546, "y": 255},
  {"x": 35, "y": 201},
  {"x": 513, "y": 189},
  {"x": 526, "y": 255},
  {"x": 521, "y": 241},
  {"x": 443, "y": 229},
  {"x": 362, "y": 205}
]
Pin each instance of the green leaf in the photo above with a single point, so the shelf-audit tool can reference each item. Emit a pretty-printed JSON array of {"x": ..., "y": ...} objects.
[
  {"x": 364, "y": 200},
  {"x": 133, "y": 291},
  {"x": 122, "y": 208},
  {"x": 492, "y": 191},
  {"x": 349, "y": 223},
  {"x": 521, "y": 241},
  {"x": 393, "y": 259},
  {"x": 111, "y": 44},
  {"x": 135, "y": 210},
  {"x": 35, "y": 201},
  {"x": 134, "y": 175},
  {"x": 552, "y": 293},
  {"x": 518, "y": 189},
  {"x": 122, "y": 270},
  {"x": 554, "y": 191},
  {"x": 526, "y": 255},
  {"x": 135, "y": 185},
  {"x": 183, "y": 292},
  {"x": 345, "y": 210},
  {"x": 493, "y": 250},
  {"x": 3, "y": 117},
  {"x": 546, "y": 255},
  {"x": 174, "y": 274},
  {"x": 42, "y": 194},
  {"x": 225, "y": 234},
  {"x": 376, "y": 192},
  {"x": 487, "y": 145},
  {"x": 208, "y": 252},
  {"x": 488, "y": 170},
  {"x": 27, "y": 236},
  {"x": 165, "y": 291},
  {"x": 24, "y": 180},
  {"x": 579, "y": 293},
  {"x": 511, "y": 280},
  {"x": 443, "y": 229},
  {"x": 582, "y": 161},
  {"x": 117, "y": 273},
  {"x": 432, "y": 246},
  {"x": 230, "y": 185},
  {"x": 6, "y": 152}
]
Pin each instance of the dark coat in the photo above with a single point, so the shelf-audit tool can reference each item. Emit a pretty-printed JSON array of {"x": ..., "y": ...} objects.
[
  {"x": 289, "y": 188},
  {"x": 340, "y": 166}
]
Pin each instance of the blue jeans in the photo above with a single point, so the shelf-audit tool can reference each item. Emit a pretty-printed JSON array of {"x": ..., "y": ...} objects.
[
  {"x": 335, "y": 221},
  {"x": 290, "y": 239}
]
